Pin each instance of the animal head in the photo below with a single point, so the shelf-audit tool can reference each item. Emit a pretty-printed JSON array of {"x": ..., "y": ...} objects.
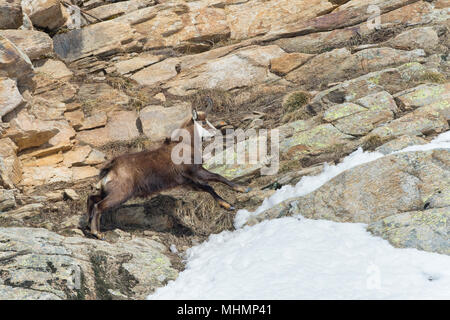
[{"x": 203, "y": 127}]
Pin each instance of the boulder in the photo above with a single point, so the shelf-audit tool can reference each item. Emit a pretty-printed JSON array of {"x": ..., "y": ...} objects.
[
  {"x": 34, "y": 44},
  {"x": 288, "y": 62},
  {"x": 41, "y": 264},
  {"x": 112, "y": 10},
  {"x": 34, "y": 176},
  {"x": 398, "y": 183},
  {"x": 424, "y": 230},
  {"x": 121, "y": 126},
  {"x": 26, "y": 131},
  {"x": 359, "y": 119},
  {"x": 15, "y": 64},
  {"x": 101, "y": 38},
  {"x": 10, "y": 97},
  {"x": 7, "y": 200},
  {"x": 46, "y": 14},
  {"x": 156, "y": 73},
  {"x": 242, "y": 68},
  {"x": 432, "y": 95},
  {"x": 252, "y": 18},
  {"x": 424, "y": 38},
  {"x": 54, "y": 69},
  {"x": 422, "y": 121},
  {"x": 10, "y": 14},
  {"x": 400, "y": 143},
  {"x": 338, "y": 64},
  {"x": 10, "y": 167},
  {"x": 135, "y": 64},
  {"x": 159, "y": 123},
  {"x": 182, "y": 25}
]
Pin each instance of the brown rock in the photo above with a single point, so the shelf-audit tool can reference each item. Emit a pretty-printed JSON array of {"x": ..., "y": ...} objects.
[
  {"x": 77, "y": 156},
  {"x": 420, "y": 38},
  {"x": 10, "y": 14},
  {"x": 288, "y": 62},
  {"x": 54, "y": 69},
  {"x": 100, "y": 38},
  {"x": 137, "y": 63},
  {"x": 27, "y": 131},
  {"x": 46, "y": 14},
  {"x": 15, "y": 64},
  {"x": 241, "y": 68},
  {"x": 121, "y": 127},
  {"x": 80, "y": 173},
  {"x": 258, "y": 17},
  {"x": 34, "y": 176},
  {"x": 158, "y": 122},
  {"x": 10, "y": 167},
  {"x": 34, "y": 44},
  {"x": 10, "y": 97}
]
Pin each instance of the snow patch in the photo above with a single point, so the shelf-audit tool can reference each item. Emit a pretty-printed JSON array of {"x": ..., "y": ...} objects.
[{"x": 297, "y": 258}]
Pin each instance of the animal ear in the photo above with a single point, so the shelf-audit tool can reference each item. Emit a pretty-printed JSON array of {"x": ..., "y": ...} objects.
[
  {"x": 210, "y": 105},
  {"x": 194, "y": 114}
]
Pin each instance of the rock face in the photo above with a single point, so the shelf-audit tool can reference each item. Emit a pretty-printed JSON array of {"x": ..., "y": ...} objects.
[
  {"x": 10, "y": 167},
  {"x": 46, "y": 14},
  {"x": 387, "y": 193},
  {"x": 10, "y": 97},
  {"x": 39, "y": 264},
  {"x": 107, "y": 37},
  {"x": 34, "y": 44},
  {"x": 15, "y": 64},
  {"x": 77, "y": 91},
  {"x": 427, "y": 230},
  {"x": 158, "y": 122},
  {"x": 7, "y": 200},
  {"x": 10, "y": 14}
]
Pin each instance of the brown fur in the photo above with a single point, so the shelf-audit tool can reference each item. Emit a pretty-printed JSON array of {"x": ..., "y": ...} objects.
[{"x": 148, "y": 172}]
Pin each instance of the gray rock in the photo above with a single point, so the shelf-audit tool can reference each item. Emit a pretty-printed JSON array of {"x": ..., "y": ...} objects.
[
  {"x": 10, "y": 14},
  {"x": 7, "y": 200},
  {"x": 403, "y": 182},
  {"x": 427, "y": 230},
  {"x": 40, "y": 264}
]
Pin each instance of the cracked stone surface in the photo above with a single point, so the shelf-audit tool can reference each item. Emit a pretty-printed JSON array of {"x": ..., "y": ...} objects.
[{"x": 39, "y": 264}]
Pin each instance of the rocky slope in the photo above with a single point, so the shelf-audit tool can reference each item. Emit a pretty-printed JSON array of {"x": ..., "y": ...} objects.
[{"x": 77, "y": 89}]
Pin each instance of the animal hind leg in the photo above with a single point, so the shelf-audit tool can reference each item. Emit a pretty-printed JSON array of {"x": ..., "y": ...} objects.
[
  {"x": 210, "y": 176},
  {"x": 111, "y": 201},
  {"x": 91, "y": 201}
]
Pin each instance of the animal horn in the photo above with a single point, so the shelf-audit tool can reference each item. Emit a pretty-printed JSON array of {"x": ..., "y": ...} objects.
[{"x": 210, "y": 105}]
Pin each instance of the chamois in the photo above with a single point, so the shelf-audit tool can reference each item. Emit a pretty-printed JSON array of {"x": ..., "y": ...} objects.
[{"x": 148, "y": 172}]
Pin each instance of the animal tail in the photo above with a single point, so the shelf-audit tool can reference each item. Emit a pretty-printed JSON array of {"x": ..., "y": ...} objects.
[{"x": 106, "y": 168}]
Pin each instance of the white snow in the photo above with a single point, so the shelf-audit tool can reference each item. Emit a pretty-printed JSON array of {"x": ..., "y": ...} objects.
[
  {"x": 289, "y": 258},
  {"x": 298, "y": 258}
]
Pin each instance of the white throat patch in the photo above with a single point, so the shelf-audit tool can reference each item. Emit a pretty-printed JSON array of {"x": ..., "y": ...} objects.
[{"x": 202, "y": 132}]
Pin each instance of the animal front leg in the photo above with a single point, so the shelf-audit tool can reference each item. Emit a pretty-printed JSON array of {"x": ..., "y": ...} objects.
[
  {"x": 207, "y": 188},
  {"x": 210, "y": 176}
]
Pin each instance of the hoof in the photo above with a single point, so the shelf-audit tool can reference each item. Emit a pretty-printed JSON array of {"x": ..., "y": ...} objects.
[{"x": 98, "y": 235}]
